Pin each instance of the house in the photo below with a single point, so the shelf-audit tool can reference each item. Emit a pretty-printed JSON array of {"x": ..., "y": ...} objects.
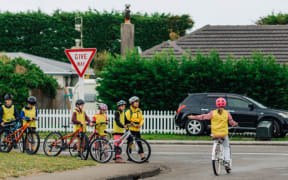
[
  {"x": 63, "y": 72},
  {"x": 233, "y": 40}
]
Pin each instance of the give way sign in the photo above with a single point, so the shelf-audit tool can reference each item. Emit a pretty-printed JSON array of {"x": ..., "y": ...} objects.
[{"x": 80, "y": 58}]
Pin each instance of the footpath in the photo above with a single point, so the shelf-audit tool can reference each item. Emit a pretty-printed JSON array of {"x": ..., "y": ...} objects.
[{"x": 109, "y": 171}]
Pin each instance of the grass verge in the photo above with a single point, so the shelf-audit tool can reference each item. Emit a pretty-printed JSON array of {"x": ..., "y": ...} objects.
[{"x": 15, "y": 164}]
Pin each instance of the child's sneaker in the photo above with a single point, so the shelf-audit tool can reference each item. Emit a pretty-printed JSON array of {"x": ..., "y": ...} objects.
[
  {"x": 119, "y": 160},
  {"x": 144, "y": 159},
  {"x": 227, "y": 165},
  {"x": 79, "y": 156}
]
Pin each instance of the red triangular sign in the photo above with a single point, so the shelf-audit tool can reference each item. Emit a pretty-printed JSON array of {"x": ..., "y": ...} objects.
[{"x": 80, "y": 58}]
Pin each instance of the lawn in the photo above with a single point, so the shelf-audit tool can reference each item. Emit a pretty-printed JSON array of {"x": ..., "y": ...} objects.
[{"x": 15, "y": 164}]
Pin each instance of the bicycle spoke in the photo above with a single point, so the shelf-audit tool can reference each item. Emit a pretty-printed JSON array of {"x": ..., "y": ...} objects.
[
  {"x": 53, "y": 144},
  {"x": 32, "y": 142},
  {"x": 138, "y": 150},
  {"x": 101, "y": 150}
]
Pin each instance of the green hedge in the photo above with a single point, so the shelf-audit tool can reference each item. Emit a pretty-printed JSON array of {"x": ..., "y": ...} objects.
[
  {"x": 163, "y": 81},
  {"x": 273, "y": 19},
  {"x": 48, "y": 35},
  {"x": 20, "y": 84}
]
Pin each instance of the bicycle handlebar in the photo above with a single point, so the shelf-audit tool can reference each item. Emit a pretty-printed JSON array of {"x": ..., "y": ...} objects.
[
  {"x": 11, "y": 123},
  {"x": 130, "y": 125},
  {"x": 98, "y": 124}
]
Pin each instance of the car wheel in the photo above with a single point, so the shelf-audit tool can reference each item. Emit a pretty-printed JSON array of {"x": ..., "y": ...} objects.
[
  {"x": 276, "y": 129},
  {"x": 194, "y": 127}
]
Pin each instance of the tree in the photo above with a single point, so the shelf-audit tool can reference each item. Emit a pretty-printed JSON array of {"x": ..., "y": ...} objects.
[
  {"x": 49, "y": 35},
  {"x": 18, "y": 76},
  {"x": 273, "y": 19},
  {"x": 163, "y": 81}
]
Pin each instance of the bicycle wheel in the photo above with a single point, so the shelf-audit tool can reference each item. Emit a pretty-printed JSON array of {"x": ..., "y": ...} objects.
[
  {"x": 84, "y": 147},
  {"x": 21, "y": 144},
  {"x": 53, "y": 144},
  {"x": 137, "y": 147},
  {"x": 217, "y": 162},
  {"x": 32, "y": 142},
  {"x": 4, "y": 145},
  {"x": 73, "y": 148},
  {"x": 101, "y": 150}
]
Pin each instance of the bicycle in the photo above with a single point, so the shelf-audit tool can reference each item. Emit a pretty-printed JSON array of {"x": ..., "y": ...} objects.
[
  {"x": 55, "y": 143},
  {"x": 218, "y": 159},
  {"x": 15, "y": 128},
  {"x": 102, "y": 150},
  {"x": 95, "y": 135},
  {"x": 13, "y": 134}
]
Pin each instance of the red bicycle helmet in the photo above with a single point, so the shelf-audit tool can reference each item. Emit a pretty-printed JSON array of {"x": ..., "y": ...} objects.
[{"x": 220, "y": 102}]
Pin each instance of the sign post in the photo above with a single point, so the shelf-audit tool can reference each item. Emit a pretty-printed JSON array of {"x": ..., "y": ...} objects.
[{"x": 80, "y": 59}]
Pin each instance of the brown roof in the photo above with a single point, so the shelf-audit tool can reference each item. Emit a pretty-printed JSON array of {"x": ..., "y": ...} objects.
[{"x": 238, "y": 41}]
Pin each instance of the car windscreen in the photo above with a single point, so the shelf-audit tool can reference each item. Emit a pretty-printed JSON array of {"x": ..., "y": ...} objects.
[
  {"x": 257, "y": 103},
  {"x": 237, "y": 103}
]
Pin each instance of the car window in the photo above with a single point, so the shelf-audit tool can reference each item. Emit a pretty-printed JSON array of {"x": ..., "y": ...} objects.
[
  {"x": 210, "y": 101},
  {"x": 238, "y": 103},
  {"x": 193, "y": 100}
]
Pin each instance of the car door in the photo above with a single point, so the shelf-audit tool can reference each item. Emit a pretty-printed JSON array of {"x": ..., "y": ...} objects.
[
  {"x": 209, "y": 104},
  {"x": 240, "y": 111}
]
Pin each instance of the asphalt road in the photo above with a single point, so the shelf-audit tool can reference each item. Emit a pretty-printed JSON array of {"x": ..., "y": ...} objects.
[{"x": 194, "y": 162}]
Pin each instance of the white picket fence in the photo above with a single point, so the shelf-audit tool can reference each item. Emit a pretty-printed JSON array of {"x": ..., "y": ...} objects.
[{"x": 155, "y": 122}]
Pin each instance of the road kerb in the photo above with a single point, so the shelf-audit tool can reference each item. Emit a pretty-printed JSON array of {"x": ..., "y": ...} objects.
[{"x": 186, "y": 142}]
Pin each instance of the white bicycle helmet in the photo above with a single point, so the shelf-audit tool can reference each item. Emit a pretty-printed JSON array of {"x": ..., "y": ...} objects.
[{"x": 133, "y": 99}]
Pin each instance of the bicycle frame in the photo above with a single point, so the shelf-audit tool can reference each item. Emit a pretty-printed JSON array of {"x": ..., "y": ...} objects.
[
  {"x": 16, "y": 135},
  {"x": 221, "y": 148},
  {"x": 94, "y": 134},
  {"x": 73, "y": 135},
  {"x": 123, "y": 138}
]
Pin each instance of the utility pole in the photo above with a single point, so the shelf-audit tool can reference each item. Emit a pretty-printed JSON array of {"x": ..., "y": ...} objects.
[{"x": 79, "y": 45}]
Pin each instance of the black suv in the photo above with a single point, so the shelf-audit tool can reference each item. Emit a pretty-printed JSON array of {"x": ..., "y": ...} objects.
[{"x": 246, "y": 111}]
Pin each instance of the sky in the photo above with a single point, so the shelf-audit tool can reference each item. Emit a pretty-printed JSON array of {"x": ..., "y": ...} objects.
[{"x": 203, "y": 12}]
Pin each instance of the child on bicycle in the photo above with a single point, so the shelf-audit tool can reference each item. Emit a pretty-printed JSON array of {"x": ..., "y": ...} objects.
[
  {"x": 30, "y": 112},
  {"x": 219, "y": 126},
  {"x": 118, "y": 129},
  {"x": 101, "y": 120},
  {"x": 8, "y": 111},
  {"x": 80, "y": 118},
  {"x": 134, "y": 115}
]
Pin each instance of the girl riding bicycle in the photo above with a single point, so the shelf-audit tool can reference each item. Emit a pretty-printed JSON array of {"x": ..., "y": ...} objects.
[
  {"x": 118, "y": 129},
  {"x": 79, "y": 117},
  {"x": 134, "y": 115},
  {"x": 101, "y": 120},
  {"x": 219, "y": 126}
]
